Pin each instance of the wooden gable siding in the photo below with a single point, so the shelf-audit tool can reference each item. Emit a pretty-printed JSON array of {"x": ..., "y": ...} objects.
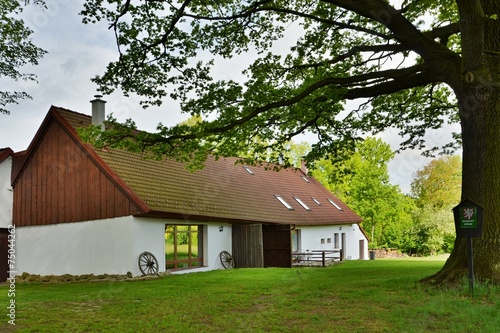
[{"x": 61, "y": 183}]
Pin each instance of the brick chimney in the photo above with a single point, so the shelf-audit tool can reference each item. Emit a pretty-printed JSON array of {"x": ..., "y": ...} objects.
[
  {"x": 303, "y": 167},
  {"x": 98, "y": 111}
]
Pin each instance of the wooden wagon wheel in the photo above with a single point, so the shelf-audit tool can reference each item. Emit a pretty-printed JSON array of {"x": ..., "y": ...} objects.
[
  {"x": 148, "y": 263},
  {"x": 226, "y": 259}
]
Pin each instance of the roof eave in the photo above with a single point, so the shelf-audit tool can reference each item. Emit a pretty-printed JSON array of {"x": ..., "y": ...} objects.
[
  {"x": 5, "y": 152},
  {"x": 206, "y": 218}
]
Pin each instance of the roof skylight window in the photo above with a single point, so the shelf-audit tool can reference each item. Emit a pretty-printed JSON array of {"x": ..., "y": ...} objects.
[
  {"x": 248, "y": 170},
  {"x": 286, "y": 204},
  {"x": 302, "y": 203},
  {"x": 333, "y": 203},
  {"x": 316, "y": 201}
]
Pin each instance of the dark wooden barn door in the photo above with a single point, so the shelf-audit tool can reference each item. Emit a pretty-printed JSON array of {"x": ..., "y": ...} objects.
[
  {"x": 361, "y": 249},
  {"x": 344, "y": 246},
  {"x": 277, "y": 245},
  {"x": 4, "y": 247},
  {"x": 247, "y": 245}
]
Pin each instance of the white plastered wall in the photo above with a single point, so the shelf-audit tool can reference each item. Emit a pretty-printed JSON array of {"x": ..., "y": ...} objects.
[
  {"x": 98, "y": 247},
  {"x": 311, "y": 239},
  {"x": 6, "y": 195},
  {"x": 110, "y": 246},
  {"x": 149, "y": 236}
]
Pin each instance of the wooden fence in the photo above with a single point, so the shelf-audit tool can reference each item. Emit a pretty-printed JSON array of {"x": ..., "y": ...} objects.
[{"x": 316, "y": 257}]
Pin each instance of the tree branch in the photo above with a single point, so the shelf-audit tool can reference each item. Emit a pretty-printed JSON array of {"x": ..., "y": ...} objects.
[
  {"x": 404, "y": 31},
  {"x": 355, "y": 50},
  {"x": 402, "y": 79},
  {"x": 255, "y": 9}
]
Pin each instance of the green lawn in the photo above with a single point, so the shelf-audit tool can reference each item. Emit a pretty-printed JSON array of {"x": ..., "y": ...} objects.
[
  {"x": 182, "y": 251},
  {"x": 355, "y": 296}
]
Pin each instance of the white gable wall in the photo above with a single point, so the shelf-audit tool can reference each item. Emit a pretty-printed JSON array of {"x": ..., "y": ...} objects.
[
  {"x": 311, "y": 239},
  {"x": 6, "y": 195}
]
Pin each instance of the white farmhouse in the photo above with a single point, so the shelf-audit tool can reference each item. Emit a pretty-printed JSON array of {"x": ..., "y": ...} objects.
[{"x": 81, "y": 210}]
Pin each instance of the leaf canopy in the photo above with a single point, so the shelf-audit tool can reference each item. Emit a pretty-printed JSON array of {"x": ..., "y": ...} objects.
[
  {"x": 438, "y": 184},
  {"x": 16, "y": 50},
  {"x": 362, "y": 182},
  {"x": 301, "y": 61}
]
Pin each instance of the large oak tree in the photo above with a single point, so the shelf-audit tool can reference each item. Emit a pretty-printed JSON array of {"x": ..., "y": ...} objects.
[{"x": 414, "y": 66}]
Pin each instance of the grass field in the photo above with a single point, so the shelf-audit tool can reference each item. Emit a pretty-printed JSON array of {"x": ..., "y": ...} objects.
[{"x": 355, "y": 296}]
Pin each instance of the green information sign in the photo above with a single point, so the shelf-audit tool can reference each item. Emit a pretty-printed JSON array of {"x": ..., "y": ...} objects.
[
  {"x": 469, "y": 223},
  {"x": 468, "y": 217}
]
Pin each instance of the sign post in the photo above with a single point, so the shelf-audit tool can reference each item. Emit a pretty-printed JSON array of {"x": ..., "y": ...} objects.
[{"x": 469, "y": 223}]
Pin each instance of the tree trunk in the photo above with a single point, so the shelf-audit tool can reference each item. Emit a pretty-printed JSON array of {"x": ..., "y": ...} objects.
[
  {"x": 479, "y": 106},
  {"x": 478, "y": 94}
]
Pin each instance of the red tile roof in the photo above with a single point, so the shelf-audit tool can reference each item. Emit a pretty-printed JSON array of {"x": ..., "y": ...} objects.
[{"x": 222, "y": 189}]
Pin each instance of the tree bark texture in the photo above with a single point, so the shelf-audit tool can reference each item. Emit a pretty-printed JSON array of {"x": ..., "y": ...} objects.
[
  {"x": 478, "y": 94},
  {"x": 479, "y": 105}
]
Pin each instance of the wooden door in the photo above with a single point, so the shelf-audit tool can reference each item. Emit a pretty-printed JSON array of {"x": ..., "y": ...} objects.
[
  {"x": 4, "y": 247},
  {"x": 277, "y": 243},
  {"x": 344, "y": 246},
  {"x": 362, "y": 249},
  {"x": 247, "y": 245}
]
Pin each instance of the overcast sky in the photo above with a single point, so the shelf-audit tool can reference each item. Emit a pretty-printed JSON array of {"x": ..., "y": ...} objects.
[{"x": 77, "y": 52}]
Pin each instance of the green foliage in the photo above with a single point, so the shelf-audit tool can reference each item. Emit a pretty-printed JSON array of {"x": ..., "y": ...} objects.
[
  {"x": 16, "y": 50},
  {"x": 291, "y": 155},
  {"x": 335, "y": 52},
  {"x": 439, "y": 183},
  {"x": 433, "y": 231},
  {"x": 362, "y": 182},
  {"x": 90, "y": 134},
  {"x": 436, "y": 189},
  {"x": 182, "y": 233},
  {"x": 413, "y": 113}
]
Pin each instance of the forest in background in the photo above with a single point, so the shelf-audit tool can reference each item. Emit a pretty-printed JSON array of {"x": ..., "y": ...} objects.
[{"x": 417, "y": 223}]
